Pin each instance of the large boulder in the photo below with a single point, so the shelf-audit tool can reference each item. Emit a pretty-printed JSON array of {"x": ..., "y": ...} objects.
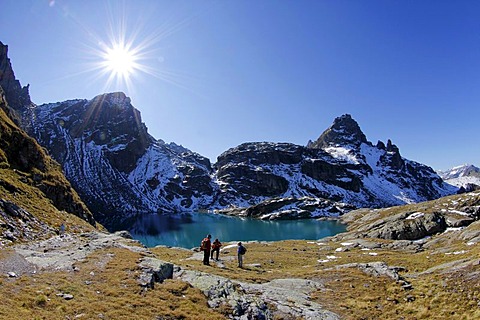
[
  {"x": 406, "y": 226},
  {"x": 154, "y": 270}
]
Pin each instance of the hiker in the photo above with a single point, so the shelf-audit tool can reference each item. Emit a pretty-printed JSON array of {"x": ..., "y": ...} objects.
[
  {"x": 62, "y": 230},
  {"x": 216, "y": 248},
  {"x": 241, "y": 250},
  {"x": 205, "y": 247}
]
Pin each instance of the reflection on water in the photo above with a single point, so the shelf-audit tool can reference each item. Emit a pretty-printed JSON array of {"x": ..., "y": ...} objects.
[{"x": 188, "y": 229}]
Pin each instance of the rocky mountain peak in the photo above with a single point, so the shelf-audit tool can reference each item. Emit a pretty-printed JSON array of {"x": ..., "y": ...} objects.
[
  {"x": 108, "y": 121},
  {"x": 113, "y": 99},
  {"x": 466, "y": 170},
  {"x": 344, "y": 131}
]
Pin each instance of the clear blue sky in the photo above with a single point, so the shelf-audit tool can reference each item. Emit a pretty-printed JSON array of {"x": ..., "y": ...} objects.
[{"x": 214, "y": 74}]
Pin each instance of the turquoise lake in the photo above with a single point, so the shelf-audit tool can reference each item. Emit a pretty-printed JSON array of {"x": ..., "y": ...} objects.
[{"x": 186, "y": 230}]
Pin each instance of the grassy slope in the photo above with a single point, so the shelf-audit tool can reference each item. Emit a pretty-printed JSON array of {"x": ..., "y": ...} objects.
[{"x": 28, "y": 177}]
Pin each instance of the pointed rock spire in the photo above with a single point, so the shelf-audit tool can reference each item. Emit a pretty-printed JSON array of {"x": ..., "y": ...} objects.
[
  {"x": 18, "y": 97},
  {"x": 344, "y": 131}
]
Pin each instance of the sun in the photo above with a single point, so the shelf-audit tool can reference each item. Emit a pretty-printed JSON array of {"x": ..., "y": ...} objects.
[
  {"x": 120, "y": 60},
  {"x": 122, "y": 56}
]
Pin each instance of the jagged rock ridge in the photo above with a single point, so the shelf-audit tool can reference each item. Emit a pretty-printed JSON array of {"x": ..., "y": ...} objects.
[
  {"x": 344, "y": 131},
  {"x": 119, "y": 169},
  {"x": 18, "y": 97}
]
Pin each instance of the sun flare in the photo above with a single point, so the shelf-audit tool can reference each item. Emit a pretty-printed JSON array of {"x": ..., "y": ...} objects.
[
  {"x": 120, "y": 60},
  {"x": 123, "y": 56}
]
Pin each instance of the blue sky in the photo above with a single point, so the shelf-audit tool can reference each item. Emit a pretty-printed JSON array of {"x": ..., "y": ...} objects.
[{"x": 214, "y": 74}]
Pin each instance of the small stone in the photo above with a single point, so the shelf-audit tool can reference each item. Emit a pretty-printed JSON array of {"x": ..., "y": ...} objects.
[
  {"x": 407, "y": 286},
  {"x": 12, "y": 274},
  {"x": 68, "y": 296}
]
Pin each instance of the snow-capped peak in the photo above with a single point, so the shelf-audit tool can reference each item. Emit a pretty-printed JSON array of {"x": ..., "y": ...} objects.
[{"x": 465, "y": 176}]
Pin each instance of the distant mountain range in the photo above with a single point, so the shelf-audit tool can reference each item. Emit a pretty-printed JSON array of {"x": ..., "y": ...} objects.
[
  {"x": 466, "y": 176},
  {"x": 119, "y": 169}
]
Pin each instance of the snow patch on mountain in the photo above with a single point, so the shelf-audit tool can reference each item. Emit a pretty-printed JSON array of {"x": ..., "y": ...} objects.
[{"x": 342, "y": 154}]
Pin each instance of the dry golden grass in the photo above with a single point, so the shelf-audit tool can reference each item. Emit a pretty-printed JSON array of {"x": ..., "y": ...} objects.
[
  {"x": 435, "y": 295},
  {"x": 104, "y": 287},
  {"x": 277, "y": 260},
  {"x": 113, "y": 292},
  {"x": 352, "y": 293}
]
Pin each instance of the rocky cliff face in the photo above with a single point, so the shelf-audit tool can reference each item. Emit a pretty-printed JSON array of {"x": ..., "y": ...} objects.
[
  {"x": 344, "y": 131},
  {"x": 112, "y": 161},
  {"x": 22, "y": 157}
]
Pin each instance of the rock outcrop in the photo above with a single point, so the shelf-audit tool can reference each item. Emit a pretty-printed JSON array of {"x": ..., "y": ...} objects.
[
  {"x": 19, "y": 224},
  {"x": 154, "y": 271},
  {"x": 17, "y": 96},
  {"x": 278, "y": 299},
  {"x": 416, "y": 221},
  {"x": 344, "y": 132},
  {"x": 406, "y": 226}
]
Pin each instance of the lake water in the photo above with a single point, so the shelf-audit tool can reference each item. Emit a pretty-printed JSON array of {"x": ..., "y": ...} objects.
[{"x": 186, "y": 230}]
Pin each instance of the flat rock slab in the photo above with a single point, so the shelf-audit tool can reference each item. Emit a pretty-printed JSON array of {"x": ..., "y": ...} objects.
[
  {"x": 15, "y": 265},
  {"x": 61, "y": 252},
  {"x": 290, "y": 297}
]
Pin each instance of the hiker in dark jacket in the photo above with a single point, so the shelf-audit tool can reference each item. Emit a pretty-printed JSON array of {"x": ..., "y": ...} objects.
[
  {"x": 216, "y": 248},
  {"x": 205, "y": 247},
  {"x": 241, "y": 250}
]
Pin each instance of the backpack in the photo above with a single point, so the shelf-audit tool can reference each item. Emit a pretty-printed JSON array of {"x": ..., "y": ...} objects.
[
  {"x": 203, "y": 245},
  {"x": 242, "y": 250}
]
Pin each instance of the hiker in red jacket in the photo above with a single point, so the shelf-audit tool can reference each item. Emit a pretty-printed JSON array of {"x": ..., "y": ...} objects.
[
  {"x": 205, "y": 247},
  {"x": 216, "y": 248}
]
